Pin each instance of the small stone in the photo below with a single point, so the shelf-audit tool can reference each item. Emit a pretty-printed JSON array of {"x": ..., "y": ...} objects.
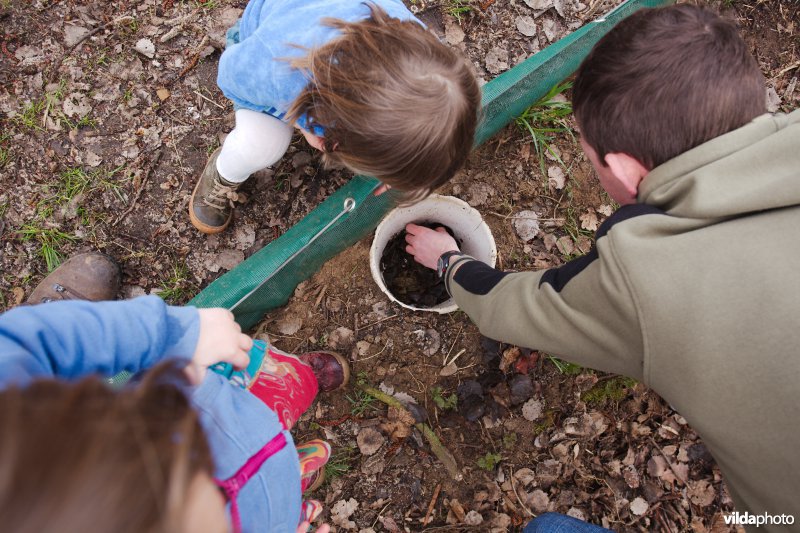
[
  {"x": 146, "y": 48},
  {"x": 526, "y": 25},
  {"x": 521, "y": 388}
]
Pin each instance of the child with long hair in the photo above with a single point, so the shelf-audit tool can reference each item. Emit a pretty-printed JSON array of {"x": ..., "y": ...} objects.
[
  {"x": 191, "y": 451},
  {"x": 365, "y": 83}
]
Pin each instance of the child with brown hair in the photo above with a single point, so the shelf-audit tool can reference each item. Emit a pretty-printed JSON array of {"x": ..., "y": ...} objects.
[
  {"x": 365, "y": 83},
  {"x": 176, "y": 451}
]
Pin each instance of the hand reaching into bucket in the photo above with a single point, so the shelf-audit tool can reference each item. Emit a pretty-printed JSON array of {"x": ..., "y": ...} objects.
[{"x": 427, "y": 245}]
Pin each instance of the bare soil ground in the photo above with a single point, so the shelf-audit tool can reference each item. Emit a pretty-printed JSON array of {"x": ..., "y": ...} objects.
[{"x": 109, "y": 111}]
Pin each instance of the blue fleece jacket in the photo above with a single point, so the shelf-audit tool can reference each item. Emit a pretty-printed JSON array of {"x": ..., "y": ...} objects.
[
  {"x": 252, "y": 72},
  {"x": 72, "y": 339}
]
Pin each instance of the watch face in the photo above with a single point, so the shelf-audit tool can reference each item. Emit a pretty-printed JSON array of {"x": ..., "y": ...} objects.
[{"x": 440, "y": 266}]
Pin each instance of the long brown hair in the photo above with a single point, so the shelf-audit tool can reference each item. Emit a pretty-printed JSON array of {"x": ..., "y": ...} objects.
[
  {"x": 81, "y": 457},
  {"x": 663, "y": 81},
  {"x": 395, "y": 103}
]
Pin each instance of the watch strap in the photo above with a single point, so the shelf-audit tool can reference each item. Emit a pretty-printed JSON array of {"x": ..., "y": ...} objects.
[{"x": 444, "y": 262}]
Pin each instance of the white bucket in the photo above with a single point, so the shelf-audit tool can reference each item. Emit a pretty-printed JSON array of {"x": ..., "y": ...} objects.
[{"x": 467, "y": 224}]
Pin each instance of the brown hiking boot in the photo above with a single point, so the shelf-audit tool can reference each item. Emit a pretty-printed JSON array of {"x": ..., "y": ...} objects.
[
  {"x": 331, "y": 369},
  {"x": 211, "y": 205},
  {"x": 91, "y": 276}
]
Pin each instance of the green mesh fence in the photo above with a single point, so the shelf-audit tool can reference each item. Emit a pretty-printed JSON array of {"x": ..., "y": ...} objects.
[{"x": 268, "y": 278}]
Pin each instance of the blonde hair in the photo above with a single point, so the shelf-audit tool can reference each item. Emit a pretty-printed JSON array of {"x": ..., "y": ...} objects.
[{"x": 395, "y": 103}]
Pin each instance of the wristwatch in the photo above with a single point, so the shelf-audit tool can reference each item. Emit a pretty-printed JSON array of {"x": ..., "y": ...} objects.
[{"x": 444, "y": 262}]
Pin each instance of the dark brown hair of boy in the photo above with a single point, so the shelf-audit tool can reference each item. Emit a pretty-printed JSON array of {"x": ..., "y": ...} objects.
[
  {"x": 82, "y": 457},
  {"x": 663, "y": 81},
  {"x": 395, "y": 103}
]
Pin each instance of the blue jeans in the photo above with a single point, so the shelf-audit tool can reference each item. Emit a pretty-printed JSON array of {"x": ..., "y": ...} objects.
[{"x": 559, "y": 523}]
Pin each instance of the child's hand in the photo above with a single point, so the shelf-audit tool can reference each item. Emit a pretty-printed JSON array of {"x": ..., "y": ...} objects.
[
  {"x": 427, "y": 245},
  {"x": 220, "y": 340}
]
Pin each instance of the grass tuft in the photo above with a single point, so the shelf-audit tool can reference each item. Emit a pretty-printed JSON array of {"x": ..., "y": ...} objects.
[
  {"x": 458, "y": 8},
  {"x": 360, "y": 403},
  {"x": 340, "y": 462},
  {"x": 569, "y": 369},
  {"x": 442, "y": 401},
  {"x": 50, "y": 240},
  {"x": 612, "y": 390},
  {"x": 545, "y": 119},
  {"x": 489, "y": 461},
  {"x": 176, "y": 287}
]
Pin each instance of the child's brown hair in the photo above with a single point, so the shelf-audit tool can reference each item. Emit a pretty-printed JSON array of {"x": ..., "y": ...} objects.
[
  {"x": 395, "y": 103},
  {"x": 663, "y": 81},
  {"x": 82, "y": 457}
]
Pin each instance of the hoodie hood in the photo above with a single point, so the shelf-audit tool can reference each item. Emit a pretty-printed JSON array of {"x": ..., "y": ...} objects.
[{"x": 750, "y": 169}]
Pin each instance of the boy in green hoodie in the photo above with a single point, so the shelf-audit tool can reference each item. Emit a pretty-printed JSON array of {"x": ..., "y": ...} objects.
[{"x": 692, "y": 286}]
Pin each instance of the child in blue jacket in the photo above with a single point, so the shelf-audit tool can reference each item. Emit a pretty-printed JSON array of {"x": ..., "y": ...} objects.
[
  {"x": 133, "y": 454},
  {"x": 365, "y": 83}
]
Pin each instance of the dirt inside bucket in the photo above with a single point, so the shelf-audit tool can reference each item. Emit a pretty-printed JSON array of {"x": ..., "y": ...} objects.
[{"x": 407, "y": 280}]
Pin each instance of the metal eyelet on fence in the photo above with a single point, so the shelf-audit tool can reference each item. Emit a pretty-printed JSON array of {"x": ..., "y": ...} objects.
[{"x": 348, "y": 206}]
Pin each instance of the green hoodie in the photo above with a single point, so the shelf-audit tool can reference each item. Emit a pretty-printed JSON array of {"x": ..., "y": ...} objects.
[{"x": 695, "y": 291}]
